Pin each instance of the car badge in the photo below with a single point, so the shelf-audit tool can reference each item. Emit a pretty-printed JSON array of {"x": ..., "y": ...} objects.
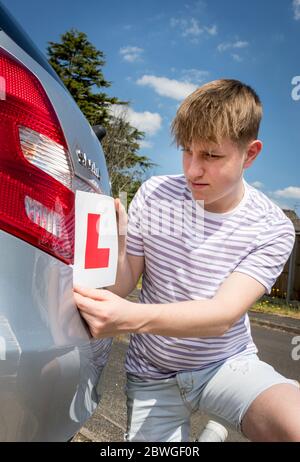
[{"x": 88, "y": 163}]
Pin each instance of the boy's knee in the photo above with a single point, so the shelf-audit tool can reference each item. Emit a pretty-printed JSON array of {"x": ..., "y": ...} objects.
[{"x": 274, "y": 415}]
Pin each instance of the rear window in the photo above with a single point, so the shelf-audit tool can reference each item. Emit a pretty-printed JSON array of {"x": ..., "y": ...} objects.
[{"x": 11, "y": 27}]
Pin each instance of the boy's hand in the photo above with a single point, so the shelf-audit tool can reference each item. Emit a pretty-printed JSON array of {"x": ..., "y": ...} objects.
[{"x": 106, "y": 314}]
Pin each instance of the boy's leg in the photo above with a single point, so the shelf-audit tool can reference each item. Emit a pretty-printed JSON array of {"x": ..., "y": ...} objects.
[
  {"x": 156, "y": 411},
  {"x": 250, "y": 395},
  {"x": 274, "y": 415}
]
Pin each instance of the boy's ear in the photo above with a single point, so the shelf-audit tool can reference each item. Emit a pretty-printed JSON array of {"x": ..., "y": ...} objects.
[{"x": 253, "y": 149}]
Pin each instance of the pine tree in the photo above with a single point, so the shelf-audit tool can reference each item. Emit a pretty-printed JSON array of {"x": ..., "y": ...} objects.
[
  {"x": 126, "y": 168},
  {"x": 79, "y": 64}
]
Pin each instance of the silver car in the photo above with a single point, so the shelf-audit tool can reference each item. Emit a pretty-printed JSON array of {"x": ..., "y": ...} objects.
[{"x": 49, "y": 366}]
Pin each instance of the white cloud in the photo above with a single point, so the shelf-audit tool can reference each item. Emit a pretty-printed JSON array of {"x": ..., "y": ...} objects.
[
  {"x": 145, "y": 144},
  {"x": 237, "y": 57},
  {"x": 232, "y": 45},
  {"x": 194, "y": 75},
  {"x": 148, "y": 122},
  {"x": 191, "y": 28},
  {"x": 213, "y": 30},
  {"x": 257, "y": 184},
  {"x": 296, "y": 8},
  {"x": 223, "y": 47},
  {"x": 282, "y": 202},
  {"x": 131, "y": 54},
  {"x": 240, "y": 44},
  {"x": 196, "y": 7},
  {"x": 291, "y": 192},
  {"x": 168, "y": 87}
]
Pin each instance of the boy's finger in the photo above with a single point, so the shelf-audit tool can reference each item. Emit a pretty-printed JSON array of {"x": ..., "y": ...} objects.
[
  {"x": 84, "y": 304},
  {"x": 95, "y": 294}
]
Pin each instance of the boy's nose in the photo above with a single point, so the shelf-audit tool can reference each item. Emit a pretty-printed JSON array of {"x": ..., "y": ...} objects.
[{"x": 196, "y": 169}]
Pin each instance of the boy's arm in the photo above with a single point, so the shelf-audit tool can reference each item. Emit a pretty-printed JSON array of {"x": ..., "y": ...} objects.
[
  {"x": 206, "y": 318},
  {"x": 130, "y": 267},
  {"x": 108, "y": 314}
]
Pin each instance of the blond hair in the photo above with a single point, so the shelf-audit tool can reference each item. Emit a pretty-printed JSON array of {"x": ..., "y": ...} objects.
[{"x": 219, "y": 109}]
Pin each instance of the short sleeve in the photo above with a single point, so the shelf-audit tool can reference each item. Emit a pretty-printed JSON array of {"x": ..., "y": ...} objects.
[
  {"x": 272, "y": 250},
  {"x": 135, "y": 244}
]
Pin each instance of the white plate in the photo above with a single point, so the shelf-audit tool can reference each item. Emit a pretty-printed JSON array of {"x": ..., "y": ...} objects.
[{"x": 96, "y": 240}]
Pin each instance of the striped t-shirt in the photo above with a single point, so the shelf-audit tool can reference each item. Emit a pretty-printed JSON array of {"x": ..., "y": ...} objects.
[{"x": 188, "y": 256}]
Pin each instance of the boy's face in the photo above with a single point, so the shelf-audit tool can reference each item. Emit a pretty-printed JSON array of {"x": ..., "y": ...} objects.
[{"x": 214, "y": 172}]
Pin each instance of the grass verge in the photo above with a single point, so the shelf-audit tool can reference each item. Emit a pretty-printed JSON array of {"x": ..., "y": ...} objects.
[{"x": 275, "y": 305}]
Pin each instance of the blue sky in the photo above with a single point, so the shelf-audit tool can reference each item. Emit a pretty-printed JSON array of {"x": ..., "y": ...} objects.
[{"x": 158, "y": 51}]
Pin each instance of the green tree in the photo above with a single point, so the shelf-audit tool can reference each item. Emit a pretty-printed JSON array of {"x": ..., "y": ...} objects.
[
  {"x": 126, "y": 168},
  {"x": 79, "y": 64}
]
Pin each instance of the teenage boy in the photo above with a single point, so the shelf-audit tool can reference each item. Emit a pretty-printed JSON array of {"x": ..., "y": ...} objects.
[{"x": 191, "y": 346}]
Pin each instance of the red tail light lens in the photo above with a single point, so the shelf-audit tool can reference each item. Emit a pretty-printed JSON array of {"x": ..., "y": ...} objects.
[{"x": 36, "y": 199}]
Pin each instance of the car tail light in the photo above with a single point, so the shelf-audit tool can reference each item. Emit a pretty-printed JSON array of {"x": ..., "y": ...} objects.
[{"x": 36, "y": 196}]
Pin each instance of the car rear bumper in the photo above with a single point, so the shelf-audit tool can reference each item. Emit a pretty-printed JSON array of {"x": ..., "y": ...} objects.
[{"x": 49, "y": 367}]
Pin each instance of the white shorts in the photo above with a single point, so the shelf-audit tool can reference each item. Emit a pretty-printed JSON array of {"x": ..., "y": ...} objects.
[{"x": 160, "y": 410}]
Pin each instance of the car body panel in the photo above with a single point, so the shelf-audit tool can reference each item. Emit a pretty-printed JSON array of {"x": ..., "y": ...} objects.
[
  {"x": 49, "y": 365},
  {"x": 49, "y": 368}
]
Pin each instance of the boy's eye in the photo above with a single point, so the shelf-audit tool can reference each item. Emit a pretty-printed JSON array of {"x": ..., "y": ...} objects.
[
  {"x": 210, "y": 155},
  {"x": 205, "y": 154}
]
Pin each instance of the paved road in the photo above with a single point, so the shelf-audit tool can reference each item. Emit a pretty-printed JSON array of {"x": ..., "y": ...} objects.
[
  {"x": 109, "y": 421},
  {"x": 275, "y": 347}
]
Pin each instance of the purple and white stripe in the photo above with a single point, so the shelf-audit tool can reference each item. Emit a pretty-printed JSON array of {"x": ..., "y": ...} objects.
[{"x": 191, "y": 257}]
